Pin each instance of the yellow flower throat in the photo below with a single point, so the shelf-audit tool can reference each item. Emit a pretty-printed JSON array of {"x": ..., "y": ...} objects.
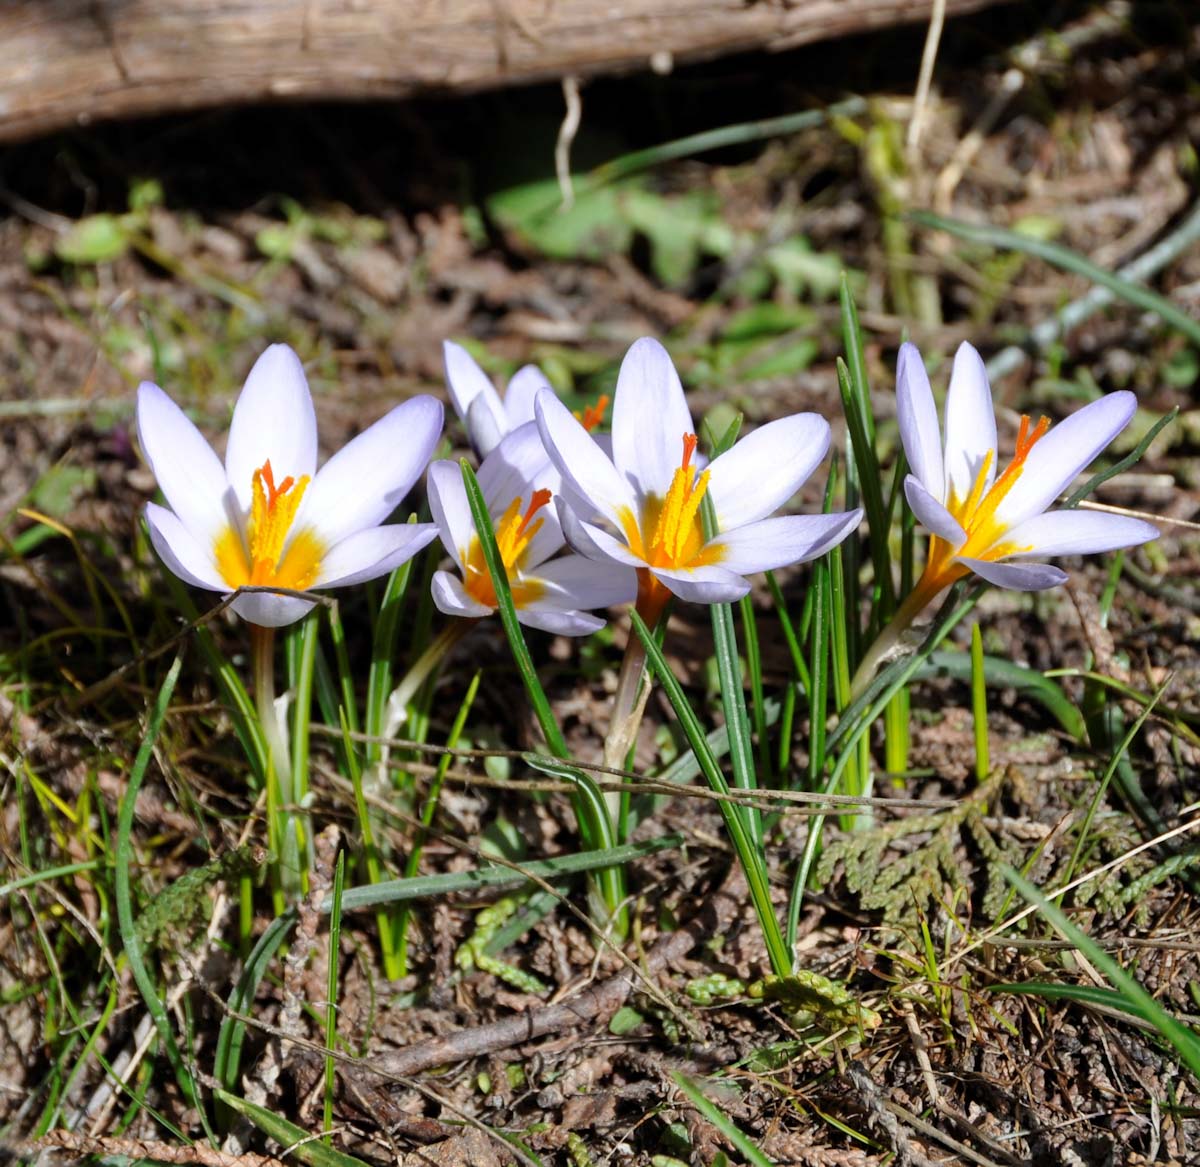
[
  {"x": 976, "y": 513},
  {"x": 514, "y": 533},
  {"x": 267, "y": 557},
  {"x": 670, "y": 533}
]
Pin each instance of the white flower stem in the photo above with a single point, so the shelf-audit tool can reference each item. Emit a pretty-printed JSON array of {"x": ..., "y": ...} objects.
[
  {"x": 633, "y": 691},
  {"x": 287, "y": 826},
  {"x": 912, "y": 606}
]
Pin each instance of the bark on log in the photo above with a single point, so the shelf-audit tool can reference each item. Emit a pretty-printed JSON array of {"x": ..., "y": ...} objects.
[{"x": 65, "y": 62}]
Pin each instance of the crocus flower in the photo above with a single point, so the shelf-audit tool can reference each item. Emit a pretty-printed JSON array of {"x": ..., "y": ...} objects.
[
  {"x": 645, "y": 500},
  {"x": 994, "y": 523},
  {"x": 488, "y": 416},
  {"x": 268, "y": 517},
  {"x": 518, "y": 482}
]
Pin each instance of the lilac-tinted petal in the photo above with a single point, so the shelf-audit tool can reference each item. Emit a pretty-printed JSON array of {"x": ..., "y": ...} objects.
[
  {"x": 577, "y": 582},
  {"x": 594, "y": 542},
  {"x": 1067, "y": 449},
  {"x": 772, "y": 543},
  {"x": 1077, "y": 533},
  {"x": 450, "y": 509},
  {"x": 273, "y": 420},
  {"x": 560, "y": 621},
  {"x": 766, "y": 468},
  {"x": 367, "y": 478},
  {"x": 466, "y": 382},
  {"x": 517, "y": 467},
  {"x": 483, "y": 431},
  {"x": 181, "y": 551},
  {"x": 450, "y": 597},
  {"x": 970, "y": 425},
  {"x": 931, "y": 514},
  {"x": 916, "y": 412},
  {"x": 522, "y": 391},
  {"x": 580, "y": 461},
  {"x": 374, "y": 552},
  {"x": 271, "y": 611},
  {"x": 650, "y": 418},
  {"x": 188, "y": 473},
  {"x": 1020, "y": 577},
  {"x": 704, "y": 585}
]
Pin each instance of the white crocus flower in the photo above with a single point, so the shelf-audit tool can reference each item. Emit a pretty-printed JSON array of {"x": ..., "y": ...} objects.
[
  {"x": 993, "y": 523},
  {"x": 649, "y": 493},
  {"x": 486, "y": 415},
  {"x": 518, "y": 482},
  {"x": 268, "y": 517}
]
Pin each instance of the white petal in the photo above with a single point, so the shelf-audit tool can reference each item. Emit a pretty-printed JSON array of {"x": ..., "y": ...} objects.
[
  {"x": 522, "y": 391},
  {"x": 916, "y": 412},
  {"x": 181, "y": 551},
  {"x": 483, "y": 432},
  {"x": 970, "y": 424},
  {"x": 580, "y": 461},
  {"x": 704, "y": 585},
  {"x": 367, "y": 478},
  {"x": 931, "y": 514},
  {"x": 466, "y": 381},
  {"x": 1078, "y": 533},
  {"x": 577, "y": 582},
  {"x": 1067, "y": 449},
  {"x": 766, "y": 468},
  {"x": 450, "y": 597},
  {"x": 188, "y": 473},
  {"x": 772, "y": 543},
  {"x": 650, "y": 418},
  {"x": 272, "y": 420},
  {"x": 562, "y": 622},
  {"x": 517, "y": 467},
  {"x": 450, "y": 509},
  {"x": 374, "y": 552},
  {"x": 1020, "y": 577},
  {"x": 595, "y": 542},
  {"x": 271, "y": 611}
]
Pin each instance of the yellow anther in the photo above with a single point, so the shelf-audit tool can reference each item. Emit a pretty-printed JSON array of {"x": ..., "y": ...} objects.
[{"x": 515, "y": 531}]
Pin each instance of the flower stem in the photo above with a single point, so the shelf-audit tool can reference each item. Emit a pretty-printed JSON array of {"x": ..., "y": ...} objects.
[
  {"x": 284, "y": 826},
  {"x": 912, "y": 606},
  {"x": 419, "y": 672},
  {"x": 633, "y": 691}
]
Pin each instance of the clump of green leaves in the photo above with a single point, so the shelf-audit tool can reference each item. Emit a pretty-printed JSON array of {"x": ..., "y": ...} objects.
[{"x": 473, "y": 952}]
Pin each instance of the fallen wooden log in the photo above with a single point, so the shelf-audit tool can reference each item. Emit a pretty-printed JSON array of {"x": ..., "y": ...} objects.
[{"x": 71, "y": 62}]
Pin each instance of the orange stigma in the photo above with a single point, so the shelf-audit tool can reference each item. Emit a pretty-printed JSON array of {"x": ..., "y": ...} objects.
[
  {"x": 260, "y": 559},
  {"x": 976, "y": 514},
  {"x": 670, "y": 533},
  {"x": 515, "y": 531},
  {"x": 593, "y": 415}
]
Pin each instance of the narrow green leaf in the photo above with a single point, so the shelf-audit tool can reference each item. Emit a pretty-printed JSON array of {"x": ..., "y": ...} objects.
[
  {"x": 298, "y": 1142},
  {"x": 722, "y": 1122},
  {"x": 1138, "y": 1001},
  {"x": 1063, "y": 257}
]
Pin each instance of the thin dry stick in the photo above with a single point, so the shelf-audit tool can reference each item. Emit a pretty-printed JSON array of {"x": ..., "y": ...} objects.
[
  {"x": 937, "y": 19},
  {"x": 600, "y": 1001},
  {"x": 566, "y": 135}
]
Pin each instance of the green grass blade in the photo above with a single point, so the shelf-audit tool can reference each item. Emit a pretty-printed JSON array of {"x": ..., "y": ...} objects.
[
  {"x": 331, "y": 991},
  {"x": 299, "y": 1142},
  {"x": 757, "y": 698},
  {"x": 1130, "y": 459},
  {"x": 595, "y": 828},
  {"x": 1066, "y": 259},
  {"x": 125, "y": 861},
  {"x": 749, "y": 854},
  {"x": 1138, "y": 1001},
  {"x": 722, "y": 1122},
  {"x": 1001, "y": 673},
  {"x": 383, "y": 651},
  {"x": 983, "y": 764}
]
